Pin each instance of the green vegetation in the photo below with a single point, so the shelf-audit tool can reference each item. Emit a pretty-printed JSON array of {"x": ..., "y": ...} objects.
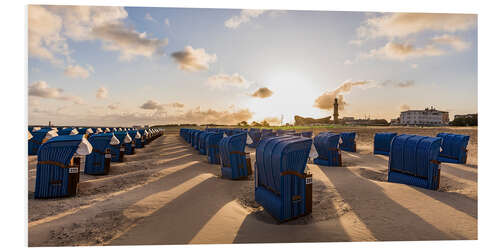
[{"x": 466, "y": 121}]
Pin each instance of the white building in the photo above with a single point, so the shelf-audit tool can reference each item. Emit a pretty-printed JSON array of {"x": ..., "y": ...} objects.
[{"x": 428, "y": 116}]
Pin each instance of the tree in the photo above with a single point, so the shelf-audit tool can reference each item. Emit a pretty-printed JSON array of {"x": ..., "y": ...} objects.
[
  {"x": 256, "y": 124},
  {"x": 243, "y": 124},
  {"x": 265, "y": 123}
]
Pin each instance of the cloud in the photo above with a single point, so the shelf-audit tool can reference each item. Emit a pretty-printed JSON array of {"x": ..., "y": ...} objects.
[
  {"x": 402, "y": 51},
  {"x": 167, "y": 22},
  {"x": 213, "y": 116},
  {"x": 453, "y": 41},
  {"x": 223, "y": 80},
  {"x": 155, "y": 105},
  {"x": 79, "y": 21},
  {"x": 43, "y": 90},
  {"x": 149, "y": 17},
  {"x": 356, "y": 42},
  {"x": 114, "y": 117},
  {"x": 193, "y": 59},
  {"x": 404, "y": 24},
  {"x": 44, "y": 38},
  {"x": 50, "y": 27},
  {"x": 77, "y": 71},
  {"x": 404, "y": 107},
  {"x": 113, "y": 106},
  {"x": 263, "y": 93},
  {"x": 244, "y": 17},
  {"x": 326, "y": 100},
  {"x": 127, "y": 41},
  {"x": 405, "y": 84},
  {"x": 152, "y": 105},
  {"x": 396, "y": 84},
  {"x": 102, "y": 93},
  {"x": 176, "y": 105}
]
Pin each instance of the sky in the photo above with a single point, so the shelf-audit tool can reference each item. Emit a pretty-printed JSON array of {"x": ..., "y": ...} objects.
[{"x": 121, "y": 66}]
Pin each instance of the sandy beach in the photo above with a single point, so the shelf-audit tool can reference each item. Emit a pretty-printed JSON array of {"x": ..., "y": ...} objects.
[{"x": 167, "y": 193}]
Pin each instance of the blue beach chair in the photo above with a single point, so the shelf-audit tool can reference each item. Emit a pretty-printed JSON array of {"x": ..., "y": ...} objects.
[
  {"x": 413, "y": 161},
  {"x": 38, "y": 138},
  {"x": 327, "y": 147},
  {"x": 212, "y": 146},
  {"x": 282, "y": 186},
  {"x": 382, "y": 143},
  {"x": 98, "y": 162},
  {"x": 454, "y": 148},
  {"x": 348, "y": 141},
  {"x": 255, "y": 135},
  {"x": 58, "y": 166},
  {"x": 235, "y": 163}
]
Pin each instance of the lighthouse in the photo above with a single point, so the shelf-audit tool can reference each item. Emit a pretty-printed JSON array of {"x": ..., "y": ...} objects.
[{"x": 336, "y": 111}]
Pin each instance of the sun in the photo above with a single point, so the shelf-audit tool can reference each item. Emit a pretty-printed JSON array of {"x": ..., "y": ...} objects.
[{"x": 293, "y": 94}]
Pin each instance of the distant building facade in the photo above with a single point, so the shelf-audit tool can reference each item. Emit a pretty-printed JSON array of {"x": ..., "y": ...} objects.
[{"x": 429, "y": 116}]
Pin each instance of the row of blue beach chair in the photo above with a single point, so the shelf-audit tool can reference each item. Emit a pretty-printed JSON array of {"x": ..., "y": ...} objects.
[
  {"x": 59, "y": 153},
  {"x": 415, "y": 160},
  {"x": 283, "y": 184},
  {"x": 225, "y": 147}
]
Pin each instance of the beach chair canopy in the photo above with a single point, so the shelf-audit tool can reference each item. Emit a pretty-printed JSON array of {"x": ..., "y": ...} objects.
[
  {"x": 55, "y": 175},
  {"x": 454, "y": 148},
  {"x": 255, "y": 135},
  {"x": 123, "y": 137},
  {"x": 233, "y": 157},
  {"x": 413, "y": 161},
  {"x": 38, "y": 138},
  {"x": 280, "y": 181},
  {"x": 327, "y": 147},
  {"x": 348, "y": 142},
  {"x": 95, "y": 163},
  {"x": 68, "y": 131},
  {"x": 382, "y": 142},
  {"x": 307, "y": 134},
  {"x": 212, "y": 140}
]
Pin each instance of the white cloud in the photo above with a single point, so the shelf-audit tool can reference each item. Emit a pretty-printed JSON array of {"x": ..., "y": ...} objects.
[
  {"x": 403, "y": 51},
  {"x": 42, "y": 90},
  {"x": 49, "y": 28},
  {"x": 79, "y": 21},
  {"x": 193, "y": 59},
  {"x": 149, "y": 17},
  {"x": 128, "y": 42},
  {"x": 76, "y": 71},
  {"x": 356, "y": 42},
  {"x": 155, "y": 105},
  {"x": 262, "y": 93},
  {"x": 244, "y": 17},
  {"x": 223, "y": 80},
  {"x": 152, "y": 105},
  {"x": 404, "y": 24},
  {"x": 44, "y": 39},
  {"x": 325, "y": 101},
  {"x": 102, "y": 93},
  {"x": 113, "y": 106},
  {"x": 453, "y": 41}
]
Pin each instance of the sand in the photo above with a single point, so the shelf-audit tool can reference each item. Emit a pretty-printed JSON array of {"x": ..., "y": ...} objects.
[{"x": 167, "y": 193}]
